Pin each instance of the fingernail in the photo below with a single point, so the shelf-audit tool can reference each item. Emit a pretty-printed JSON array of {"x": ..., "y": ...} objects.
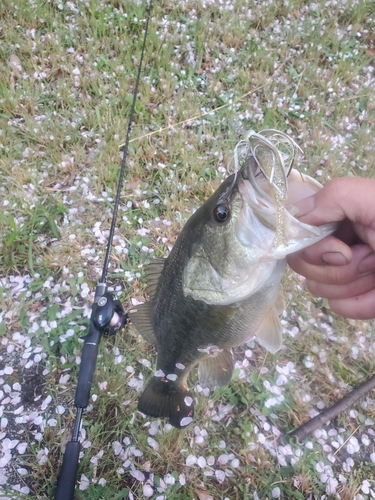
[
  {"x": 305, "y": 206},
  {"x": 334, "y": 259},
  {"x": 367, "y": 265}
]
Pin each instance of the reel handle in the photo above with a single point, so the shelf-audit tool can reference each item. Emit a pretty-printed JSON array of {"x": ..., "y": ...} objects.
[{"x": 108, "y": 316}]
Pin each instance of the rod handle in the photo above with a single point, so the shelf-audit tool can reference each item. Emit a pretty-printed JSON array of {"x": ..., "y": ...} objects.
[
  {"x": 87, "y": 368},
  {"x": 67, "y": 479}
]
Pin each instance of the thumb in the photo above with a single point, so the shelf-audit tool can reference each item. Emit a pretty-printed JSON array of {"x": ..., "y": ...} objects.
[{"x": 343, "y": 198}]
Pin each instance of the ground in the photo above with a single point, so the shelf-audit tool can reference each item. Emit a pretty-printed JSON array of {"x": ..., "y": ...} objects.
[{"x": 68, "y": 73}]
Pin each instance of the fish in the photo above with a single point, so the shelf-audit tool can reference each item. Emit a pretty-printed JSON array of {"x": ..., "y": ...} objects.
[{"x": 220, "y": 285}]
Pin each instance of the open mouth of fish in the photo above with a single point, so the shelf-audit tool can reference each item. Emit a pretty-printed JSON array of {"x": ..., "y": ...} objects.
[{"x": 267, "y": 221}]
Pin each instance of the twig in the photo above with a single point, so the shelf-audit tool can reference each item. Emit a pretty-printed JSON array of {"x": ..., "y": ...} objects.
[
  {"x": 330, "y": 413},
  {"x": 196, "y": 117},
  {"x": 346, "y": 440}
]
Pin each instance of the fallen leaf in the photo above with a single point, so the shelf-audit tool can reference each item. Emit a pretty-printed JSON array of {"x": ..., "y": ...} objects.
[
  {"x": 38, "y": 306},
  {"x": 203, "y": 495},
  {"x": 293, "y": 122},
  {"x": 56, "y": 75},
  {"x": 133, "y": 183},
  {"x": 370, "y": 52},
  {"x": 162, "y": 157}
]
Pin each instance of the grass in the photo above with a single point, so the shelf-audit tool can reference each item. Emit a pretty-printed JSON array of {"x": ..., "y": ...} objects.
[{"x": 68, "y": 72}]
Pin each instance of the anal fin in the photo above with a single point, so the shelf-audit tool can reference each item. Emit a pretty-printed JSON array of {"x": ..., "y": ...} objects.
[
  {"x": 216, "y": 371},
  {"x": 141, "y": 317}
]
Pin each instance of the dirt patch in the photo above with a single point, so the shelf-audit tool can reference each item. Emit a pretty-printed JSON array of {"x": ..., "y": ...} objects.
[{"x": 32, "y": 384}]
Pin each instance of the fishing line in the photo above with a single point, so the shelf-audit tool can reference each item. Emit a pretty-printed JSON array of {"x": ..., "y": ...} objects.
[
  {"x": 107, "y": 317},
  {"x": 125, "y": 153}
]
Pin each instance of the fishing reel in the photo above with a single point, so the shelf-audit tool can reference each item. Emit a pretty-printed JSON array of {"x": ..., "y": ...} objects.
[{"x": 109, "y": 315}]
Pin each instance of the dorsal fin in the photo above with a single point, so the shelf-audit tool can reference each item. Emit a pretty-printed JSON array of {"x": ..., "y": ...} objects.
[
  {"x": 141, "y": 317},
  {"x": 152, "y": 272}
]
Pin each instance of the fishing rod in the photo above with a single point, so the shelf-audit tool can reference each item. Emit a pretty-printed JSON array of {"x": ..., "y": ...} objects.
[{"x": 107, "y": 317}]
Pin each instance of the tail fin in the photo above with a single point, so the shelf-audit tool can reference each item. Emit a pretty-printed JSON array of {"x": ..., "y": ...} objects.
[{"x": 169, "y": 399}]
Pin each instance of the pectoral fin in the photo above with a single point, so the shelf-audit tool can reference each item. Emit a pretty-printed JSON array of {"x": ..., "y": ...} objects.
[
  {"x": 280, "y": 304},
  {"x": 269, "y": 334},
  {"x": 216, "y": 371},
  {"x": 141, "y": 317}
]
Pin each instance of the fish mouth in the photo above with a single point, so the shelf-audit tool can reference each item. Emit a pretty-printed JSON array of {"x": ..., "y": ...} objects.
[
  {"x": 251, "y": 173},
  {"x": 256, "y": 194},
  {"x": 256, "y": 224}
]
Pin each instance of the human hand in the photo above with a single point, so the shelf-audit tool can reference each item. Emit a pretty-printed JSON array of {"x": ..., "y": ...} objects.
[{"x": 341, "y": 267}]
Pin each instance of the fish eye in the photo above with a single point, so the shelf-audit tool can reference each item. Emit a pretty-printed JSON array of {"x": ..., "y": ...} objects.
[{"x": 221, "y": 212}]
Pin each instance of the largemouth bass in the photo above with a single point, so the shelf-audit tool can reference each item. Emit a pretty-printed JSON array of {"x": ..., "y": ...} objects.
[{"x": 219, "y": 287}]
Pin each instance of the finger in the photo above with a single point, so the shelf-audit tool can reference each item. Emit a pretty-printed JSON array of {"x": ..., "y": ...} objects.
[
  {"x": 340, "y": 199},
  {"x": 358, "y": 307},
  {"x": 358, "y": 287},
  {"x": 330, "y": 250},
  {"x": 333, "y": 275},
  {"x": 368, "y": 264}
]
